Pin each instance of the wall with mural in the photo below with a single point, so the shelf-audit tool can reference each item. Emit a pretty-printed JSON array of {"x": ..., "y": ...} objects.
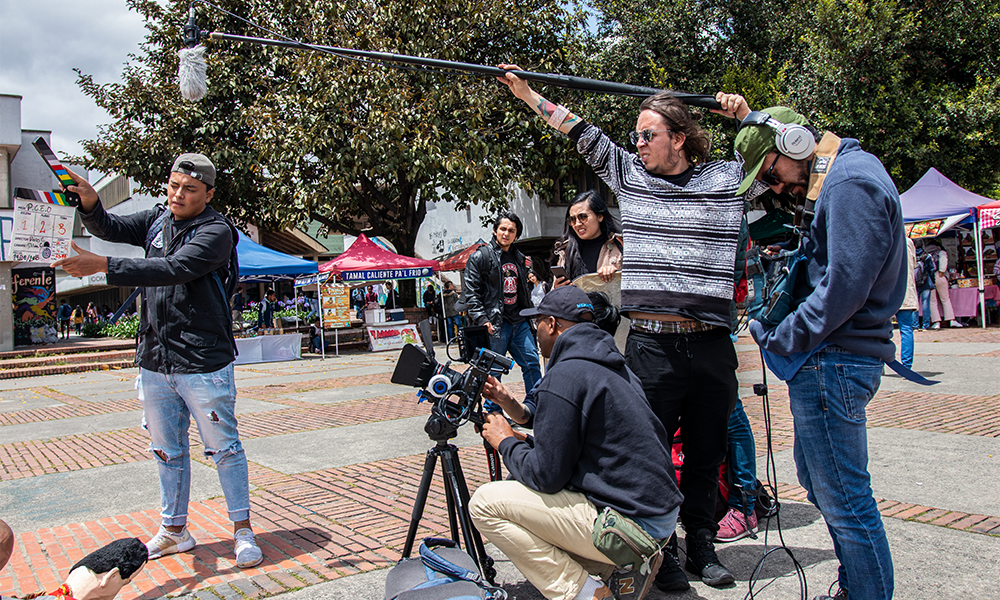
[{"x": 34, "y": 298}]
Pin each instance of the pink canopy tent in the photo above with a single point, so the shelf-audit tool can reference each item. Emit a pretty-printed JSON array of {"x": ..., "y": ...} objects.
[{"x": 366, "y": 255}]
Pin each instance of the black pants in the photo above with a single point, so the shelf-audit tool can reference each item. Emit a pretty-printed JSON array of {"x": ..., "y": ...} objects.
[{"x": 690, "y": 381}]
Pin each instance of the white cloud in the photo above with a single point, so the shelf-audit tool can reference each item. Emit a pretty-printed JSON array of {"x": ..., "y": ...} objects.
[{"x": 42, "y": 41}]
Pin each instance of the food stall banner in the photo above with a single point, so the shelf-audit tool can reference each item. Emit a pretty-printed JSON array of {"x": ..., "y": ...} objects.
[
  {"x": 924, "y": 229},
  {"x": 336, "y": 305},
  {"x": 312, "y": 279},
  {"x": 383, "y": 274},
  {"x": 392, "y": 337}
]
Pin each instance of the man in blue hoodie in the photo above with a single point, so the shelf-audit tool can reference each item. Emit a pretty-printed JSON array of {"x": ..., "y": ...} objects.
[
  {"x": 597, "y": 444},
  {"x": 832, "y": 345}
]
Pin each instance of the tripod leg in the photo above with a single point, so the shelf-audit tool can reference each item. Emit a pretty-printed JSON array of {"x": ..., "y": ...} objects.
[
  {"x": 455, "y": 480},
  {"x": 452, "y": 503},
  {"x": 420, "y": 501}
]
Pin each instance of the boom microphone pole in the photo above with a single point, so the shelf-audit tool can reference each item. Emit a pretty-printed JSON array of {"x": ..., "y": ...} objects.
[
  {"x": 567, "y": 81},
  {"x": 192, "y": 73}
]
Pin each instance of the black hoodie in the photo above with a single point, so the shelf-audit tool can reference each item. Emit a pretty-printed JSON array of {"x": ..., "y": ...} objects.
[{"x": 594, "y": 431}]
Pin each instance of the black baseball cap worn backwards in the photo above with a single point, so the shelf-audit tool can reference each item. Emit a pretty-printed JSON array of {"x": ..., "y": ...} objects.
[
  {"x": 197, "y": 166},
  {"x": 567, "y": 302}
]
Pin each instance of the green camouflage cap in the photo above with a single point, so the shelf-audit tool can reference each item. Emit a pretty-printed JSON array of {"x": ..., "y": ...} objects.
[{"x": 753, "y": 142}]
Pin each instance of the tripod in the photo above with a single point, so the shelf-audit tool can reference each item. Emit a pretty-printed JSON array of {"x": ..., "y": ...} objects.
[{"x": 457, "y": 495}]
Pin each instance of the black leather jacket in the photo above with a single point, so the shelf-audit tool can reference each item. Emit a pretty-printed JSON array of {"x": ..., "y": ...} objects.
[
  {"x": 185, "y": 324},
  {"x": 483, "y": 294}
]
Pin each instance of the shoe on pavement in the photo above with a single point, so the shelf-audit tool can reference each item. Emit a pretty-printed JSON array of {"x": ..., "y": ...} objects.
[
  {"x": 736, "y": 525},
  {"x": 840, "y": 595},
  {"x": 166, "y": 542},
  {"x": 632, "y": 584},
  {"x": 955, "y": 324},
  {"x": 702, "y": 560},
  {"x": 936, "y": 326},
  {"x": 671, "y": 578},
  {"x": 248, "y": 553}
]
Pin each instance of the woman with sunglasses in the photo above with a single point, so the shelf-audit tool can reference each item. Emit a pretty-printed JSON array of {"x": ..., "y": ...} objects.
[{"x": 591, "y": 241}]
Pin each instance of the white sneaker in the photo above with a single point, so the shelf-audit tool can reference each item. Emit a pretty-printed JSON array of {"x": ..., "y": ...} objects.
[
  {"x": 936, "y": 326},
  {"x": 955, "y": 324},
  {"x": 248, "y": 554},
  {"x": 165, "y": 542}
]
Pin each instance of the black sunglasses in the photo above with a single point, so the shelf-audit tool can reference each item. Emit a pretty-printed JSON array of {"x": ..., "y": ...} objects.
[{"x": 768, "y": 177}]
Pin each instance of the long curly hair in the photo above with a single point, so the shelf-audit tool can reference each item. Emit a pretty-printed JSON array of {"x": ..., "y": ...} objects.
[{"x": 681, "y": 119}]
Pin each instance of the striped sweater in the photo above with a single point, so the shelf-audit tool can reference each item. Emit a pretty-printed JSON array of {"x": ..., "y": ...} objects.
[{"x": 680, "y": 242}]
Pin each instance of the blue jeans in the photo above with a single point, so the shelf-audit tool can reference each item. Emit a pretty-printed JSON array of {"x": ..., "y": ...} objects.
[
  {"x": 905, "y": 318},
  {"x": 828, "y": 397},
  {"x": 742, "y": 459},
  {"x": 452, "y": 326},
  {"x": 168, "y": 403},
  {"x": 925, "y": 308},
  {"x": 522, "y": 347}
]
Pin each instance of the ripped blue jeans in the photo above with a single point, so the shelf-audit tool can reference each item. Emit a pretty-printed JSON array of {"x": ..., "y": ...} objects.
[{"x": 168, "y": 403}]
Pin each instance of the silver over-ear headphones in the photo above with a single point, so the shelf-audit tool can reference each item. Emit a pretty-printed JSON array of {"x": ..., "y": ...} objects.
[{"x": 792, "y": 140}]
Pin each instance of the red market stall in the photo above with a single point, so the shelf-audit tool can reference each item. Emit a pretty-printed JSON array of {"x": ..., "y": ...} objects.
[{"x": 366, "y": 261}]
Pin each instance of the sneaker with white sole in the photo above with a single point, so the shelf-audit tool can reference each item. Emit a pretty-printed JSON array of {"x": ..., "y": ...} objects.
[
  {"x": 248, "y": 553},
  {"x": 736, "y": 526},
  {"x": 166, "y": 542},
  {"x": 633, "y": 583}
]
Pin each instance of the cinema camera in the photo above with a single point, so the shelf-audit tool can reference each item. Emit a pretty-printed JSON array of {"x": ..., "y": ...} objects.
[{"x": 456, "y": 397}]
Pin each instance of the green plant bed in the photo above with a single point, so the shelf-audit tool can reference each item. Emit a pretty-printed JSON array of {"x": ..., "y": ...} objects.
[
  {"x": 93, "y": 330},
  {"x": 126, "y": 328}
]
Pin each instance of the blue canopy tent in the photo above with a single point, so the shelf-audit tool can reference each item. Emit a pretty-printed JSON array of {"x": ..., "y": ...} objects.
[
  {"x": 258, "y": 263},
  {"x": 261, "y": 264}
]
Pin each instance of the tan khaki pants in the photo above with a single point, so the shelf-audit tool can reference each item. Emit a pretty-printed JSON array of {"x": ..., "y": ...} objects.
[{"x": 535, "y": 530}]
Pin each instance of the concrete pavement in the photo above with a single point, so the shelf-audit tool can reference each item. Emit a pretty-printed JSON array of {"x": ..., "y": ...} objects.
[{"x": 336, "y": 452}]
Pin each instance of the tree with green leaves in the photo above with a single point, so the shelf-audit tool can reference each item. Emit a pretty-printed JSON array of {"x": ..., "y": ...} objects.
[
  {"x": 305, "y": 135},
  {"x": 914, "y": 81}
]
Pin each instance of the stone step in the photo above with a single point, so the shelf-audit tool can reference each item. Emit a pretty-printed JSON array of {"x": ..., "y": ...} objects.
[
  {"x": 63, "y": 369},
  {"x": 67, "y": 359},
  {"x": 75, "y": 346}
]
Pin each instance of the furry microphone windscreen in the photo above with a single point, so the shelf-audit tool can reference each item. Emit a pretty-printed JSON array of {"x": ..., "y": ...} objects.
[{"x": 191, "y": 73}]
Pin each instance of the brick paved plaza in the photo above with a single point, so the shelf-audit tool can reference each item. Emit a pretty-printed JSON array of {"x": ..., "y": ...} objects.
[{"x": 336, "y": 453}]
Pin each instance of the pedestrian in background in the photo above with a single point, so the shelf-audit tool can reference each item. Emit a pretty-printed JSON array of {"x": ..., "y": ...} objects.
[
  {"x": 78, "y": 318},
  {"x": 906, "y": 314}
]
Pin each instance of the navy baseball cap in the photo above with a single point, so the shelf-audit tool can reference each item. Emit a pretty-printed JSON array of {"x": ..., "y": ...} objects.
[{"x": 568, "y": 302}]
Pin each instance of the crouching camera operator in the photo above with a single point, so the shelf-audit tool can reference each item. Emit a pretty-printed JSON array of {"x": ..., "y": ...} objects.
[{"x": 597, "y": 446}]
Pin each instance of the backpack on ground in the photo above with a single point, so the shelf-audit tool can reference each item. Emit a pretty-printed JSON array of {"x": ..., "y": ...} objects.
[{"x": 443, "y": 572}]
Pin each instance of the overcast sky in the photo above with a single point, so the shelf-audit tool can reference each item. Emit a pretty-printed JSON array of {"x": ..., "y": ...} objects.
[{"x": 42, "y": 41}]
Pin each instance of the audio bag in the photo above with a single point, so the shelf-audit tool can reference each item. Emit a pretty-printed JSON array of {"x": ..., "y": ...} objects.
[{"x": 623, "y": 541}]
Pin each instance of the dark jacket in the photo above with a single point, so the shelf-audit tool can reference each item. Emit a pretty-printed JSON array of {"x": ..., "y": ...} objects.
[
  {"x": 594, "y": 431},
  {"x": 185, "y": 324},
  {"x": 483, "y": 293}
]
